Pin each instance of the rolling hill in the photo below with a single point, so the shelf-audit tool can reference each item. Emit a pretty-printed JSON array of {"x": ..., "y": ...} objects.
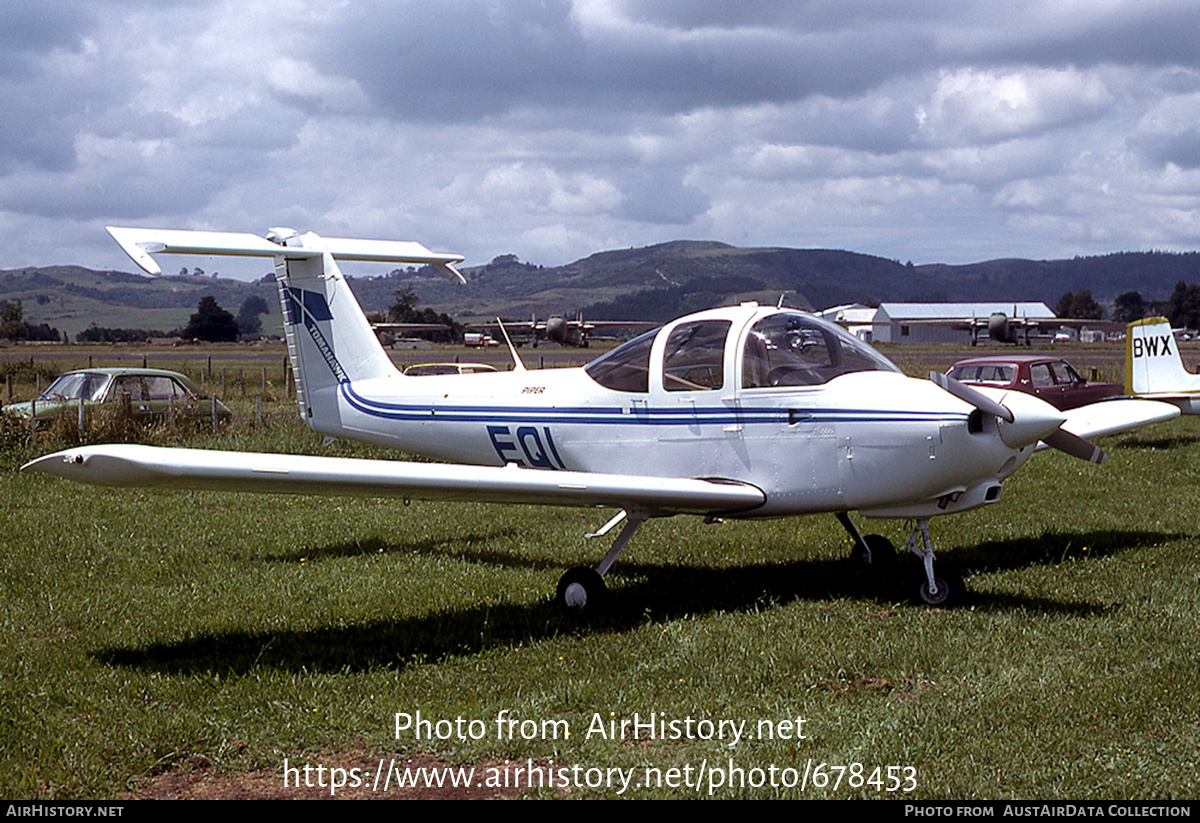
[{"x": 652, "y": 283}]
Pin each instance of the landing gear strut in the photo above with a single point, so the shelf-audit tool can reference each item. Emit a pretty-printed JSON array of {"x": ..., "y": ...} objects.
[
  {"x": 934, "y": 589},
  {"x": 876, "y": 554},
  {"x": 872, "y": 552},
  {"x": 581, "y": 590}
]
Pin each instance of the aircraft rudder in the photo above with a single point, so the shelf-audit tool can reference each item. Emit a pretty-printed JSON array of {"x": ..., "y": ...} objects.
[
  {"x": 1153, "y": 364},
  {"x": 330, "y": 341}
]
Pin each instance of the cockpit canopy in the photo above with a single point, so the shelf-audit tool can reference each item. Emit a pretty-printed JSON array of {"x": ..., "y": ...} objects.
[{"x": 779, "y": 348}]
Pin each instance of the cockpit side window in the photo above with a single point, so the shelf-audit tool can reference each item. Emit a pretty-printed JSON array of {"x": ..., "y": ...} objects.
[
  {"x": 694, "y": 359},
  {"x": 625, "y": 368},
  {"x": 789, "y": 349}
]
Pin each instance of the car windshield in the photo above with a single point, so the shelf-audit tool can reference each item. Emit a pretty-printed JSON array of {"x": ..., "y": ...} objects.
[
  {"x": 999, "y": 373},
  {"x": 76, "y": 386}
]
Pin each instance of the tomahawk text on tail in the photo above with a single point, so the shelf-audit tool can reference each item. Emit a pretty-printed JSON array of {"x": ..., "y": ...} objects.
[
  {"x": 733, "y": 412},
  {"x": 1154, "y": 366},
  {"x": 330, "y": 341}
]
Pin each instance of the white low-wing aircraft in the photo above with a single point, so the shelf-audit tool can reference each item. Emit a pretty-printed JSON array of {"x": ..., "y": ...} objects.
[
  {"x": 737, "y": 412},
  {"x": 1154, "y": 367}
]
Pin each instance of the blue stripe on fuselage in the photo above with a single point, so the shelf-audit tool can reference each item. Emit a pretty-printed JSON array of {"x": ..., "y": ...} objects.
[{"x": 617, "y": 416}]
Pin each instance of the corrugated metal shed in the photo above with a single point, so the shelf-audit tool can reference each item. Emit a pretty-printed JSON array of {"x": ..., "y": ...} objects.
[{"x": 935, "y": 322}]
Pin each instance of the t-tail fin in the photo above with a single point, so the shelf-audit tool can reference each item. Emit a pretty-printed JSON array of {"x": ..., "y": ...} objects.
[
  {"x": 1153, "y": 365},
  {"x": 330, "y": 341}
]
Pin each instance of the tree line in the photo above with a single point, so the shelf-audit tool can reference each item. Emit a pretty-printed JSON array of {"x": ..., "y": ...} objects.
[{"x": 1182, "y": 308}]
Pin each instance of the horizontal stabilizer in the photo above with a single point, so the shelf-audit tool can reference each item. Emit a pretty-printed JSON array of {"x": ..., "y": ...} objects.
[
  {"x": 1115, "y": 416},
  {"x": 133, "y": 465},
  {"x": 140, "y": 244}
]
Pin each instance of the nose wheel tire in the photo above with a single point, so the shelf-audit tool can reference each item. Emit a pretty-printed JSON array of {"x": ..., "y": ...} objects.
[
  {"x": 581, "y": 591},
  {"x": 951, "y": 589},
  {"x": 938, "y": 598}
]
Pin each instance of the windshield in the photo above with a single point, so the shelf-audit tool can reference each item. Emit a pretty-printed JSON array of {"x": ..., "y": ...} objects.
[
  {"x": 76, "y": 386},
  {"x": 792, "y": 349}
]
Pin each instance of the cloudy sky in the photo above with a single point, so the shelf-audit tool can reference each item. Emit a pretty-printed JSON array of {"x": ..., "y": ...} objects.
[{"x": 927, "y": 130}]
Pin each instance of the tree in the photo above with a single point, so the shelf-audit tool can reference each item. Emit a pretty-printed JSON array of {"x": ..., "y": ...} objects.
[
  {"x": 211, "y": 323},
  {"x": 1080, "y": 305},
  {"x": 12, "y": 324},
  {"x": 1129, "y": 307},
  {"x": 1183, "y": 307},
  {"x": 404, "y": 310},
  {"x": 248, "y": 315}
]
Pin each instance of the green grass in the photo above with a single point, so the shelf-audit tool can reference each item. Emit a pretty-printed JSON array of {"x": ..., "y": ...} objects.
[{"x": 145, "y": 630}]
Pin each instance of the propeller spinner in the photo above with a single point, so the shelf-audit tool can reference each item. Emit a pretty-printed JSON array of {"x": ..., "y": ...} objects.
[{"x": 1024, "y": 420}]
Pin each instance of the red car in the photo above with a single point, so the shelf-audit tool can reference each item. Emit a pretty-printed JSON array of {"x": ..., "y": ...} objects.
[{"x": 1052, "y": 379}]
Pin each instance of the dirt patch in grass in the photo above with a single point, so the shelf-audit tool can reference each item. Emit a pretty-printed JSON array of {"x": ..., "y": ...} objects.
[{"x": 197, "y": 778}]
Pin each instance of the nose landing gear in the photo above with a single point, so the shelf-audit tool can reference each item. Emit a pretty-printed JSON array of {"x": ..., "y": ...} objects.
[{"x": 876, "y": 555}]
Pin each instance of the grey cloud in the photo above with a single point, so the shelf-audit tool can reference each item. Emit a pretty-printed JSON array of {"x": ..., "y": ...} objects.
[
  {"x": 470, "y": 60},
  {"x": 30, "y": 29},
  {"x": 660, "y": 196},
  {"x": 628, "y": 121},
  {"x": 1181, "y": 149}
]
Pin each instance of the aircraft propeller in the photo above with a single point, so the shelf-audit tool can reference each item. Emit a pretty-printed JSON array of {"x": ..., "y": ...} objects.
[{"x": 1033, "y": 420}]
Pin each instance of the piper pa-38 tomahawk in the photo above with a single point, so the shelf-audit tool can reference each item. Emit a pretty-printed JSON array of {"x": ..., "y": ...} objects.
[{"x": 737, "y": 412}]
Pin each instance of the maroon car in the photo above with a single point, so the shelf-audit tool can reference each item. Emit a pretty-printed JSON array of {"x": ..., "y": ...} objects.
[{"x": 1052, "y": 379}]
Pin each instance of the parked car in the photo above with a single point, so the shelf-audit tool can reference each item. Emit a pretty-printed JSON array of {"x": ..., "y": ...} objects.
[
  {"x": 151, "y": 393},
  {"x": 1052, "y": 379},
  {"x": 422, "y": 369}
]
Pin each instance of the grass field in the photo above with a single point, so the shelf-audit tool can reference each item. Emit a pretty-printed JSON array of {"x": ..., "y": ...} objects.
[{"x": 152, "y": 634}]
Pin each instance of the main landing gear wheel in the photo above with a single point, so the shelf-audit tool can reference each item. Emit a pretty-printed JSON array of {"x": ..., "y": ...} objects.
[{"x": 581, "y": 590}]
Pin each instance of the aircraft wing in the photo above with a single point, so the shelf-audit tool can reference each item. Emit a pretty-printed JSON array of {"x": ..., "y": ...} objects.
[
  {"x": 139, "y": 244},
  {"x": 134, "y": 465},
  {"x": 407, "y": 327},
  {"x": 1114, "y": 416}
]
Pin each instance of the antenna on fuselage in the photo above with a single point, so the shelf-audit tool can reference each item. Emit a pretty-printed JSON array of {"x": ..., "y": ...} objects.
[{"x": 517, "y": 364}]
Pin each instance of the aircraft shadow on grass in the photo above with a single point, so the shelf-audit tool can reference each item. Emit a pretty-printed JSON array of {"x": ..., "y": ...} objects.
[
  {"x": 1154, "y": 442},
  {"x": 649, "y": 592},
  {"x": 456, "y": 546}
]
